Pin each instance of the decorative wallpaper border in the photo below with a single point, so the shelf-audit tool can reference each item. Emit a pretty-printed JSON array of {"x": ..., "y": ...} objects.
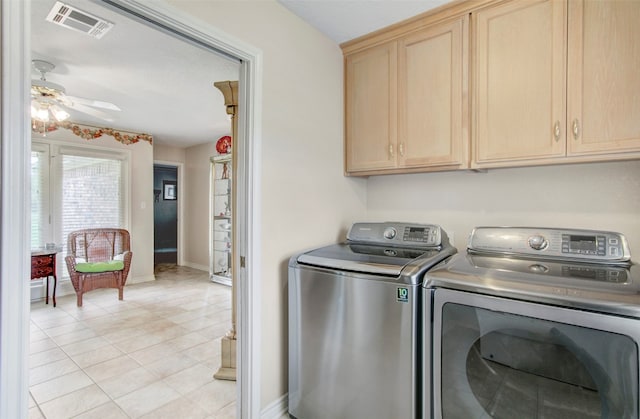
[{"x": 89, "y": 132}]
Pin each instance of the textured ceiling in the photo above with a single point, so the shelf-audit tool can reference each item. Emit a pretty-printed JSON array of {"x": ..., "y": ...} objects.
[
  {"x": 164, "y": 85},
  {"x": 343, "y": 20}
]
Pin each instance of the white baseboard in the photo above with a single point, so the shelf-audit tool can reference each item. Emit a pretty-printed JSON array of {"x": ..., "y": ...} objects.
[
  {"x": 63, "y": 288},
  {"x": 139, "y": 279},
  {"x": 278, "y": 409},
  {"x": 197, "y": 266}
]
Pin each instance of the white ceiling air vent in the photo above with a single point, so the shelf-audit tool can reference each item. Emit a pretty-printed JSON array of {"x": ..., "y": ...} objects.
[{"x": 73, "y": 18}]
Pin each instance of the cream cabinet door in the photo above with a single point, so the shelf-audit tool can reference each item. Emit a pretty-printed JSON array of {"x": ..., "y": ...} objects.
[
  {"x": 604, "y": 77},
  {"x": 432, "y": 73},
  {"x": 371, "y": 108},
  {"x": 519, "y": 83}
]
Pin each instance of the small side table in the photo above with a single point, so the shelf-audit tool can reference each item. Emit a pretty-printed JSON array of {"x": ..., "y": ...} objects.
[{"x": 43, "y": 264}]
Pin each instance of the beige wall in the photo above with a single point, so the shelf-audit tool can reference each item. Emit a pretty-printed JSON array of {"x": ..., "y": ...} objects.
[
  {"x": 166, "y": 153},
  {"x": 602, "y": 196},
  {"x": 306, "y": 201},
  {"x": 141, "y": 193},
  {"x": 194, "y": 196},
  {"x": 196, "y": 187}
]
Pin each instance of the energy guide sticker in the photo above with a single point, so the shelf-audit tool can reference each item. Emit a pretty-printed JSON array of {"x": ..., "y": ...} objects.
[{"x": 402, "y": 295}]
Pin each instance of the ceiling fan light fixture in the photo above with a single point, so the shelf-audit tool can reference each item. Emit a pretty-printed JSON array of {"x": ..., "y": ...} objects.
[
  {"x": 44, "y": 112},
  {"x": 38, "y": 112},
  {"x": 53, "y": 99},
  {"x": 58, "y": 113},
  {"x": 46, "y": 88}
]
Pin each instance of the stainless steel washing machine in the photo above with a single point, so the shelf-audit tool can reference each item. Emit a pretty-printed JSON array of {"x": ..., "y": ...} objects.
[
  {"x": 354, "y": 324},
  {"x": 533, "y": 323}
]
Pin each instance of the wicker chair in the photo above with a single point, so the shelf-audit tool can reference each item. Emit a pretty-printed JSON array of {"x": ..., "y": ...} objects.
[{"x": 97, "y": 248}]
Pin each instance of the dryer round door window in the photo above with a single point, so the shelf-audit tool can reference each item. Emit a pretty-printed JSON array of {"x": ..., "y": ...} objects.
[{"x": 498, "y": 364}]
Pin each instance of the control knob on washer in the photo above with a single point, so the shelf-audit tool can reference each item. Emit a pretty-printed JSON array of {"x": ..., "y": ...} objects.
[
  {"x": 389, "y": 233},
  {"x": 538, "y": 242}
]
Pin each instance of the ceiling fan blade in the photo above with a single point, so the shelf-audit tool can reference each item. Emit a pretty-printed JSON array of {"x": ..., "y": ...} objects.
[
  {"x": 93, "y": 103},
  {"x": 91, "y": 111}
]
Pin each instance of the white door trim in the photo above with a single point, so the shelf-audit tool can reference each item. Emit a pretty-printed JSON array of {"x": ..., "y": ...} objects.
[
  {"x": 15, "y": 193},
  {"x": 166, "y": 17},
  {"x": 15, "y": 214},
  {"x": 180, "y": 167}
]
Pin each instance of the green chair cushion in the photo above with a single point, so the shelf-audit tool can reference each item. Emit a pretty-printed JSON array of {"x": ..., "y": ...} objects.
[{"x": 108, "y": 266}]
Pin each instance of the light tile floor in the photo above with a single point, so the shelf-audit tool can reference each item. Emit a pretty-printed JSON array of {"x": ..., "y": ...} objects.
[{"x": 152, "y": 355}]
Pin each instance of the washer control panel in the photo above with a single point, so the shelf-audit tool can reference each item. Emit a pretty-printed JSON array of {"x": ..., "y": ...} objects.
[
  {"x": 397, "y": 234},
  {"x": 588, "y": 245}
]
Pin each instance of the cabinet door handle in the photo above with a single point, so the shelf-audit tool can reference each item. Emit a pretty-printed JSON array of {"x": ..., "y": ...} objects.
[
  {"x": 556, "y": 131},
  {"x": 391, "y": 150},
  {"x": 402, "y": 149},
  {"x": 576, "y": 129}
]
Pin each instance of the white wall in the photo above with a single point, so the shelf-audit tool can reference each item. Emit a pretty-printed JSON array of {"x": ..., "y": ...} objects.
[
  {"x": 306, "y": 201},
  {"x": 141, "y": 194},
  {"x": 197, "y": 188},
  {"x": 603, "y": 196}
]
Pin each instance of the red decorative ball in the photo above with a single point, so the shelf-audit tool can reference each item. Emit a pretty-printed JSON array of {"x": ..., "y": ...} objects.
[{"x": 223, "y": 145}]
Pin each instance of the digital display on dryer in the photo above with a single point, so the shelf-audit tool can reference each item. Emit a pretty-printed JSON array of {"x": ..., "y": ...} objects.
[
  {"x": 415, "y": 233},
  {"x": 586, "y": 244}
]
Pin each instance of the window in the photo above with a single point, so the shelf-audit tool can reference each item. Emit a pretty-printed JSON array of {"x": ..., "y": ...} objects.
[
  {"x": 81, "y": 187},
  {"x": 91, "y": 190},
  {"x": 40, "y": 222}
]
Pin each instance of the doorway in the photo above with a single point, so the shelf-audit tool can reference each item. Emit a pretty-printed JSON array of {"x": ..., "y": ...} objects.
[
  {"x": 16, "y": 57},
  {"x": 165, "y": 214}
]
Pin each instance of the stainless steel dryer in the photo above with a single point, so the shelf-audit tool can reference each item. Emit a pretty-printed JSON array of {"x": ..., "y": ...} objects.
[
  {"x": 534, "y": 323},
  {"x": 354, "y": 324}
]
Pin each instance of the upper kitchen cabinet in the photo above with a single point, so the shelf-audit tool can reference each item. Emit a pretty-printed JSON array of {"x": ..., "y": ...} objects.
[
  {"x": 519, "y": 83},
  {"x": 549, "y": 82},
  {"x": 604, "y": 78},
  {"x": 555, "y": 82},
  {"x": 371, "y": 116},
  {"x": 406, "y": 104},
  {"x": 432, "y": 71}
]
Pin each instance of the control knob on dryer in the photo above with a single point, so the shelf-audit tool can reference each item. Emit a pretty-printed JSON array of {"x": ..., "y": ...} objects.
[
  {"x": 538, "y": 242},
  {"x": 390, "y": 233}
]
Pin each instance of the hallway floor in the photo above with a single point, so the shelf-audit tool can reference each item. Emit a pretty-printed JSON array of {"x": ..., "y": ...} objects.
[{"x": 152, "y": 355}]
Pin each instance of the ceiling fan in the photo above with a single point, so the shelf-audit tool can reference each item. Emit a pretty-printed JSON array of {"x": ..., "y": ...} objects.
[{"x": 49, "y": 100}]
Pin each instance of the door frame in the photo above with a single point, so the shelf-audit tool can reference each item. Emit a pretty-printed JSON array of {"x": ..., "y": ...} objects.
[
  {"x": 15, "y": 149},
  {"x": 180, "y": 214}
]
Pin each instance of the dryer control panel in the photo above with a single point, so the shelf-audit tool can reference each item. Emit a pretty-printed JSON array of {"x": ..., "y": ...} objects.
[
  {"x": 548, "y": 243},
  {"x": 398, "y": 234}
]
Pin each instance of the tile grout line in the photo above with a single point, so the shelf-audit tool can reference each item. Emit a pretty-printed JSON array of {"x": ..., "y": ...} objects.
[{"x": 166, "y": 313}]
